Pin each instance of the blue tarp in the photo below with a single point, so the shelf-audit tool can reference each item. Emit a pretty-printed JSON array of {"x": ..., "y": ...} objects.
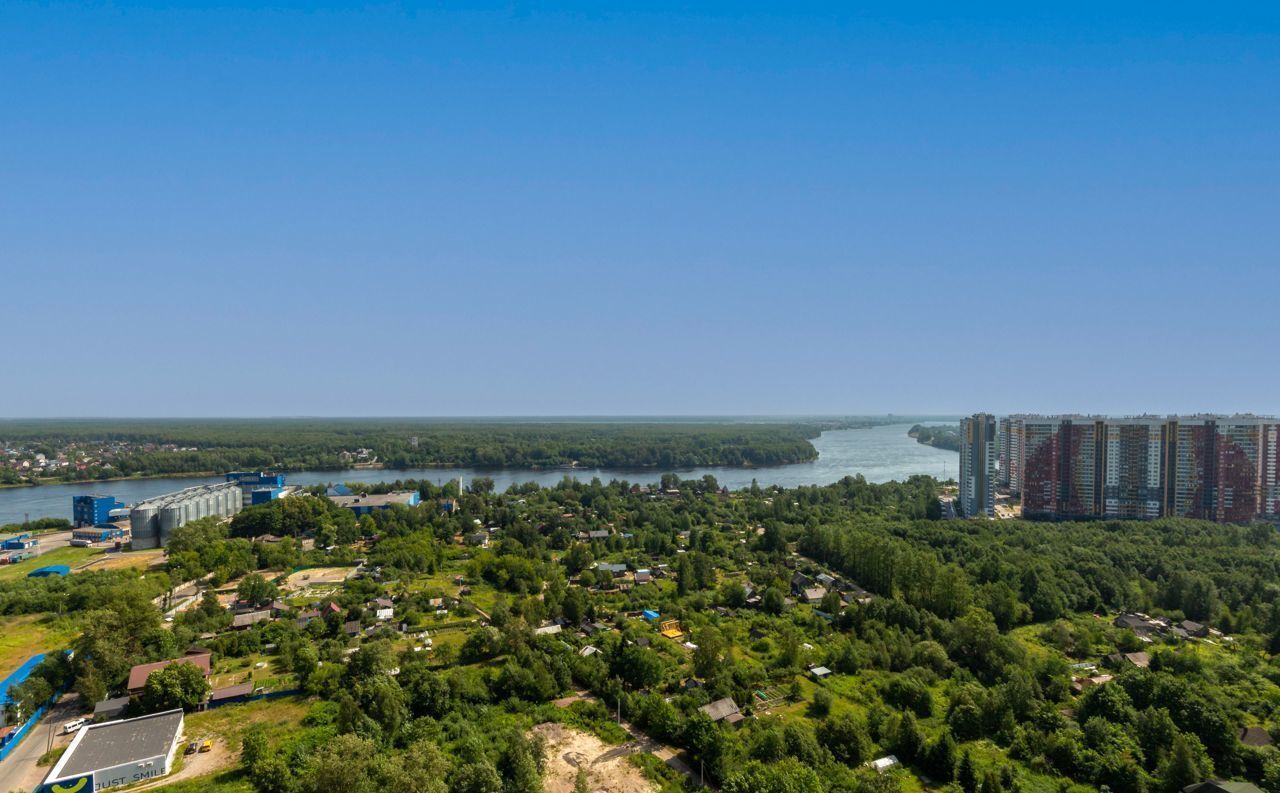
[
  {"x": 53, "y": 569},
  {"x": 650, "y": 615},
  {"x": 22, "y": 673}
]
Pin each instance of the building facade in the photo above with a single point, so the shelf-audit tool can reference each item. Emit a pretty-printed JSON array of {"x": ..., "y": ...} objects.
[
  {"x": 1220, "y": 468},
  {"x": 978, "y": 470},
  {"x": 92, "y": 510}
]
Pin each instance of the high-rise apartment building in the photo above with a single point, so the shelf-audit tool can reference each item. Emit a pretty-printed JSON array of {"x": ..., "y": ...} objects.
[
  {"x": 978, "y": 454},
  {"x": 1221, "y": 468}
]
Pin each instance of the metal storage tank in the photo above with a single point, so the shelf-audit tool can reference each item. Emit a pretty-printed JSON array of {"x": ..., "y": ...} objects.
[
  {"x": 143, "y": 527},
  {"x": 170, "y": 519}
]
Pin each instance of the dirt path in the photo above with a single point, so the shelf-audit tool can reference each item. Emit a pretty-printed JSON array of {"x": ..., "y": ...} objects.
[{"x": 195, "y": 765}]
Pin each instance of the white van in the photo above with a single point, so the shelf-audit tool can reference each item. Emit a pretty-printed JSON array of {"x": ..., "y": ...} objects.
[{"x": 73, "y": 725}]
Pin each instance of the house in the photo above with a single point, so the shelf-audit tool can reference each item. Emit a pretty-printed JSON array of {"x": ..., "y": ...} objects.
[
  {"x": 547, "y": 630},
  {"x": 643, "y": 577},
  {"x": 250, "y": 618},
  {"x": 384, "y": 614},
  {"x": 1140, "y": 660},
  {"x": 799, "y": 583},
  {"x": 614, "y": 570},
  {"x": 594, "y": 534},
  {"x": 820, "y": 672},
  {"x": 351, "y": 627},
  {"x": 138, "y": 675},
  {"x": 814, "y": 595},
  {"x": 477, "y": 539},
  {"x": 230, "y": 694},
  {"x": 1137, "y": 623},
  {"x": 725, "y": 710},
  {"x": 1079, "y": 684},
  {"x": 109, "y": 709},
  {"x": 883, "y": 764},
  {"x": 1222, "y": 786},
  {"x": 1194, "y": 629},
  {"x": 588, "y": 651},
  {"x": 825, "y": 580},
  {"x": 1255, "y": 736}
]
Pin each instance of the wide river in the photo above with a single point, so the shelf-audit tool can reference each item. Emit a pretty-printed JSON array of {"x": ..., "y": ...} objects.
[{"x": 880, "y": 454}]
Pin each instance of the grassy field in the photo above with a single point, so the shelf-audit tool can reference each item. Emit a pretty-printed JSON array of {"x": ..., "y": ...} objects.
[
  {"x": 31, "y": 634},
  {"x": 230, "y": 781},
  {"x": 68, "y": 556},
  {"x": 277, "y": 716}
]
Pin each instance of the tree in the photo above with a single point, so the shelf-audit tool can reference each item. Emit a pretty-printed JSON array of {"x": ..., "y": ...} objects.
[
  {"x": 255, "y": 589},
  {"x": 1187, "y": 764},
  {"x": 966, "y": 774},
  {"x": 476, "y": 778},
  {"x": 942, "y": 757},
  {"x": 822, "y": 700},
  {"x": 706, "y": 658},
  {"x": 908, "y": 740},
  {"x": 845, "y": 738},
  {"x": 178, "y": 685}
]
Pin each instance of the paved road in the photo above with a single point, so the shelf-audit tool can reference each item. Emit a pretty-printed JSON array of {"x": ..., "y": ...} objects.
[{"x": 19, "y": 771}]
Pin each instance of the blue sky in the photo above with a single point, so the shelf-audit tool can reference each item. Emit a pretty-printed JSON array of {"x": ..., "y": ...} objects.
[{"x": 647, "y": 208}]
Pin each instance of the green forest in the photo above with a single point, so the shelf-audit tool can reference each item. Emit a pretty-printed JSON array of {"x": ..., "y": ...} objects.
[
  {"x": 940, "y": 437},
  {"x": 133, "y": 448},
  {"x": 845, "y": 623}
]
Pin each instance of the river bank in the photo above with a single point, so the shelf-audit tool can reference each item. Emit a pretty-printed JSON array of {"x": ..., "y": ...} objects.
[{"x": 879, "y": 454}]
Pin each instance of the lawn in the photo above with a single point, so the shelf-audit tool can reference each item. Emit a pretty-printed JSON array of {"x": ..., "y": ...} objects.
[
  {"x": 230, "y": 671},
  {"x": 68, "y": 556},
  {"x": 278, "y": 717},
  {"x": 32, "y": 634}
]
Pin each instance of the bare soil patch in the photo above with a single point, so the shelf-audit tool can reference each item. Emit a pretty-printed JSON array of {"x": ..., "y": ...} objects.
[{"x": 608, "y": 768}]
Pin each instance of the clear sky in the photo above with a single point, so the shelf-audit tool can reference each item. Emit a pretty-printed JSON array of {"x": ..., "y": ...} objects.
[{"x": 649, "y": 208}]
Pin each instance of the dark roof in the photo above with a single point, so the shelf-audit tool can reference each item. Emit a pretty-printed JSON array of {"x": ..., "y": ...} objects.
[
  {"x": 1221, "y": 786},
  {"x": 721, "y": 709},
  {"x": 231, "y": 692},
  {"x": 115, "y": 743},
  {"x": 139, "y": 674},
  {"x": 110, "y": 707},
  {"x": 1255, "y": 736},
  {"x": 249, "y": 618}
]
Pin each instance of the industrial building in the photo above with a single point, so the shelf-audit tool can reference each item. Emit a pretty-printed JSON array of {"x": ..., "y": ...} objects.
[
  {"x": 978, "y": 465},
  {"x": 95, "y": 534},
  {"x": 18, "y": 542},
  {"x": 153, "y": 519},
  {"x": 1211, "y": 467},
  {"x": 363, "y": 505},
  {"x": 93, "y": 510},
  {"x": 257, "y": 487},
  {"x": 118, "y": 753}
]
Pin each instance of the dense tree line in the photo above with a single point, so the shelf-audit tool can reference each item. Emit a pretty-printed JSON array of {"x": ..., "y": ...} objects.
[{"x": 286, "y": 444}]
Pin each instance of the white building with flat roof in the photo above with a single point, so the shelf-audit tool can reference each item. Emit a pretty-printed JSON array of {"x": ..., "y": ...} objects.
[{"x": 118, "y": 753}]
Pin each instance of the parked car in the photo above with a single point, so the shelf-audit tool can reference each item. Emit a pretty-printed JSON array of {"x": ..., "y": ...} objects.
[
  {"x": 192, "y": 748},
  {"x": 206, "y": 745},
  {"x": 73, "y": 726}
]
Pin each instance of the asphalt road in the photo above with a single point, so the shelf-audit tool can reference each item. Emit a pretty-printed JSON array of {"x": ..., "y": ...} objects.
[{"x": 19, "y": 771}]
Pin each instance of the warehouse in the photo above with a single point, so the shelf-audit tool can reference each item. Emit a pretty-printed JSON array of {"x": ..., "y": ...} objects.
[
  {"x": 119, "y": 752},
  {"x": 363, "y": 505},
  {"x": 153, "y": 519}
]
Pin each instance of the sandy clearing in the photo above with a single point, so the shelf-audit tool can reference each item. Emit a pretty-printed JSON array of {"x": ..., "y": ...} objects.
[
  {"x": 608, "y": 767},
  {"x": 318, "y": 576}
]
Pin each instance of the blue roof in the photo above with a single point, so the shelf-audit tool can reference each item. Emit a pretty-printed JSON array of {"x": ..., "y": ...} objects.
[
  {"x": 22, "y": 673},
  {"x": 650, "y": 614},
  {"x": 53, "y": 569}
]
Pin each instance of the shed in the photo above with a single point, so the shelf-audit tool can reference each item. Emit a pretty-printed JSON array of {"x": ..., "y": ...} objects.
[{"x": 725, "y": 710}]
